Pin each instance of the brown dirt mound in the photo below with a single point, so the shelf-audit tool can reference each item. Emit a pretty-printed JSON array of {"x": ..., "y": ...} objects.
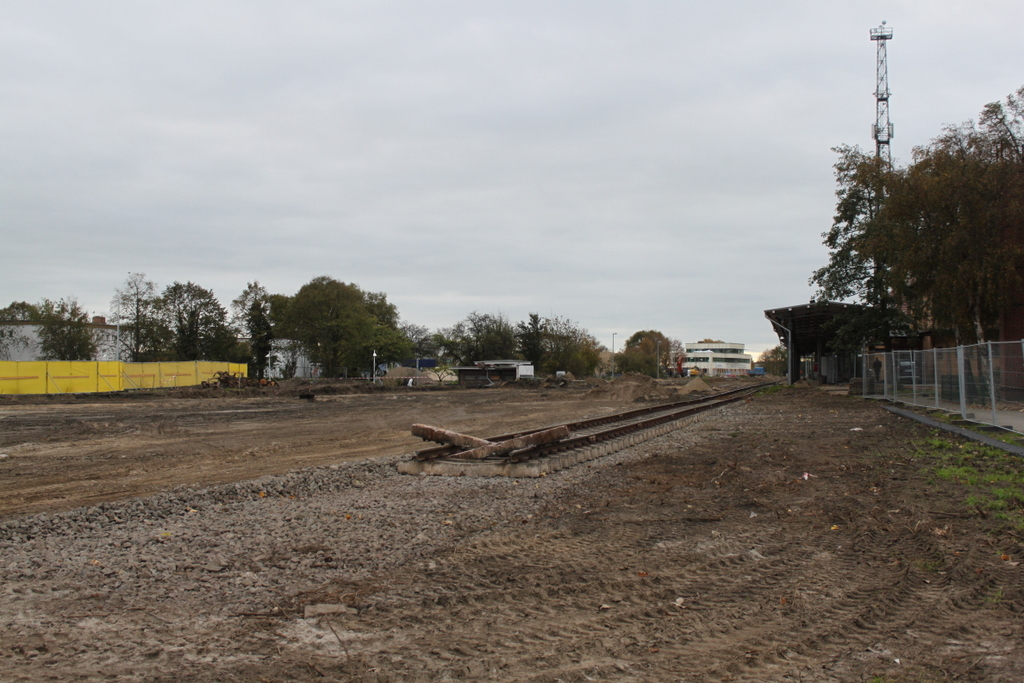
[
  {"x": 630, "y": 387},
  {"x": 695, "y": 384},
  {"x": 296, "y": 387}
]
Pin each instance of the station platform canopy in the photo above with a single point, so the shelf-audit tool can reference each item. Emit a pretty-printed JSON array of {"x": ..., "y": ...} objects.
[{"x": 806, "y": 330}]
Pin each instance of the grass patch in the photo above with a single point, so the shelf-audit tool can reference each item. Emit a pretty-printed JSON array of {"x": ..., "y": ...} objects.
[{"x": 993, "y": 480}]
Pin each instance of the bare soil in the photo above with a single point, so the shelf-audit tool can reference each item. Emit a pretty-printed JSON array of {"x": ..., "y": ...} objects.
[{"x": 792, "y": 537}]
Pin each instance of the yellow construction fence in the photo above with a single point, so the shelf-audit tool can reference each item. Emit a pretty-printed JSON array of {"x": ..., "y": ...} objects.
[{"x": 75, "y": 377}]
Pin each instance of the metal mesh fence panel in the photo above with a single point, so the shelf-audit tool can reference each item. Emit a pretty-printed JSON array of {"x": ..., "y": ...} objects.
[{"x": 982, "y": 382}]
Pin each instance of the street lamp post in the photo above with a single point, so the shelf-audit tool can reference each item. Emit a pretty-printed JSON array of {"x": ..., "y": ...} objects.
[
  {"x": 373, "y": 369},
  {"x": 613, "y": 354}
]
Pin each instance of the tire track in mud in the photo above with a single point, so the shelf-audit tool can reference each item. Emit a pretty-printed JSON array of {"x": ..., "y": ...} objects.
[
  {"x": 711, "y": 558},
  {"x": 688, "y": 588},
  {"x": 594, "y": 603},
  {"x": 741, "y": 628}
]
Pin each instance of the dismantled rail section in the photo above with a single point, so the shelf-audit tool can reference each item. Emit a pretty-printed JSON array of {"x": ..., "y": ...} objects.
[{"x": 535, "y": 452}]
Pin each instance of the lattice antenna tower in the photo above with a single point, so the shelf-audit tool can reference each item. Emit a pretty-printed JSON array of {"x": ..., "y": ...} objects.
[{"x": 881, "y": 131}]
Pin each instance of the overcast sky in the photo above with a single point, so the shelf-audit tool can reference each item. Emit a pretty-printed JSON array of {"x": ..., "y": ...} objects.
[{"x": 629, "y": 165}]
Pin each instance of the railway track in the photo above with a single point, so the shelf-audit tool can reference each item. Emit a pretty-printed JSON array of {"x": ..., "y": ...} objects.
[{"x": 586, "y": 440}]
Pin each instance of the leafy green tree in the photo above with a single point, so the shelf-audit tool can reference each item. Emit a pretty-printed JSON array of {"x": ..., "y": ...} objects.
[
  {"x": 421, "y": 340},
  {"x": 569, "y": 347},
  {"x": 1003, "y": 127},
  {"x": 340, "y": 326},
  {"x": 19, "y": 311},
  {"x": 329, "y": 320},
  {"x": 646, "y": 352},
  {"x": 251, "y": 312},
  {"x": 384, "y": 312},
  {"x": 774, "y": 360},
  {"x": 480, "y": 336},
  {"x": 957, "y": 213},
  {"x": 136, "y": 310},
  {"x": 64, "y": 331},
  {"x": 530, "y": 338},
  {"x": 860, "y": 253},
  {"x": 936, "y": 245},
  {"x": 390, "y": 345},
  {"x": 198, "y": 324}
]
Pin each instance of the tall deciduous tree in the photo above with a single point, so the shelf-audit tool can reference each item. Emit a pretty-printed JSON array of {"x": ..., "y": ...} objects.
[
  {"x": 251, "y": 317},
  {"x": 569, "y": 347},
  {"x": 136, "y": 310},
  {"x": 774, "y": 360},
  {"x": 957, "y": 214},
  {"x": 530, "y": 337},
  {"x": 481, "y": 336},
  {"x": 647, "y": 352},
  {"x": 421, "y": 340},
  {"x": 336, "y": 327},
  {"x": 938, "y": 244},
  {"x": 860, "y": 253},
  {"x": 198, "y": 323},
  {"x": 64, "y": 331}
]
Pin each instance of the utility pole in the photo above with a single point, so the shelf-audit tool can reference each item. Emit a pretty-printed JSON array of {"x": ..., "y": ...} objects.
[{"x": 881, "y": 131}]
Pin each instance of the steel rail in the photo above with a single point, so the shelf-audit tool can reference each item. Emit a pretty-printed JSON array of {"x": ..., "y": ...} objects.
[{"x": 665, "y": 412}]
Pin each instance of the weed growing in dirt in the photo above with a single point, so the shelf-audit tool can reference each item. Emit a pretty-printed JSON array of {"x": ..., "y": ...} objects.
[
  {"x": 768, "y": 391},
  {"x": 993, "y": 478},
  {"x": 930, "y": 566}
]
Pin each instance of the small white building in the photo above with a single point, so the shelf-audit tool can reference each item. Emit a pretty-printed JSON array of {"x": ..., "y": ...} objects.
[
  {"x": 489, "y": 372},
  {"x": 718, "y": 358},
  {"x": 24, "y": 344}
]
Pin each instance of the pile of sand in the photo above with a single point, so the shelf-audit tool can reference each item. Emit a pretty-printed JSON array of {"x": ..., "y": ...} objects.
[
  {"x": 695, "y": 384},
  {"x": 404, "y": 372}
]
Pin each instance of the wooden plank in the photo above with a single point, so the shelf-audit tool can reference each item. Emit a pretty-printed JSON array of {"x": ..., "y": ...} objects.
[
  {"x": 439, "y": 435},
  {"x": 535, "y": 439}
]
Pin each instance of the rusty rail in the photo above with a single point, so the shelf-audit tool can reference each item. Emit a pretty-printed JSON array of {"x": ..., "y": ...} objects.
[{"x": 626, "y": 422}]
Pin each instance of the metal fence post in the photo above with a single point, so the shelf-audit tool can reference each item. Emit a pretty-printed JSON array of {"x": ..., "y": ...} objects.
[
  {"x": 864, "y": 371},
  {"x": 992, "y": 382},
  {"x": 960, "y": 381},
  {"x": 913, "y": 374},
  {"x": 890, "y": 377},
  {"x": 935, "y": 373}
]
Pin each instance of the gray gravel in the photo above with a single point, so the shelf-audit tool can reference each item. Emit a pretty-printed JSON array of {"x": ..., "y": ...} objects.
[{"x": 251, "y": 546}]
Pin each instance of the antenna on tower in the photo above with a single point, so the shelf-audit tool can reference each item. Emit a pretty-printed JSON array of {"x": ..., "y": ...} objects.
[{"x": 881, "y": 131}]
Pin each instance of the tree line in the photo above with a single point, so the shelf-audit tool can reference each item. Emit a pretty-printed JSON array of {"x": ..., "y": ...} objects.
[
  {"x": 336, "y": 325},
  {"x": 937, "y": 245}
]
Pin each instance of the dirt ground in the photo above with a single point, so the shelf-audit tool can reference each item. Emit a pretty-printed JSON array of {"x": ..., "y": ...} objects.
[
  {"x": 793, "y": 537},
  {"x": 68, "y": 452}
]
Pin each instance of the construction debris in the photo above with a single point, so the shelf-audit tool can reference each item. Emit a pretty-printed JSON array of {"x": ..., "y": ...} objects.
[
  {"x": 482, "y": 448},
  {"x": 439, "y": 435},
  {"x": 504, "y": 447},
  {"x": 226, "y": 379}
]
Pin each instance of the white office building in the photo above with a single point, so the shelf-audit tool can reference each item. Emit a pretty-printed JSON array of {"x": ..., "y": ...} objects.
[{"x": 718, "y": 358}]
